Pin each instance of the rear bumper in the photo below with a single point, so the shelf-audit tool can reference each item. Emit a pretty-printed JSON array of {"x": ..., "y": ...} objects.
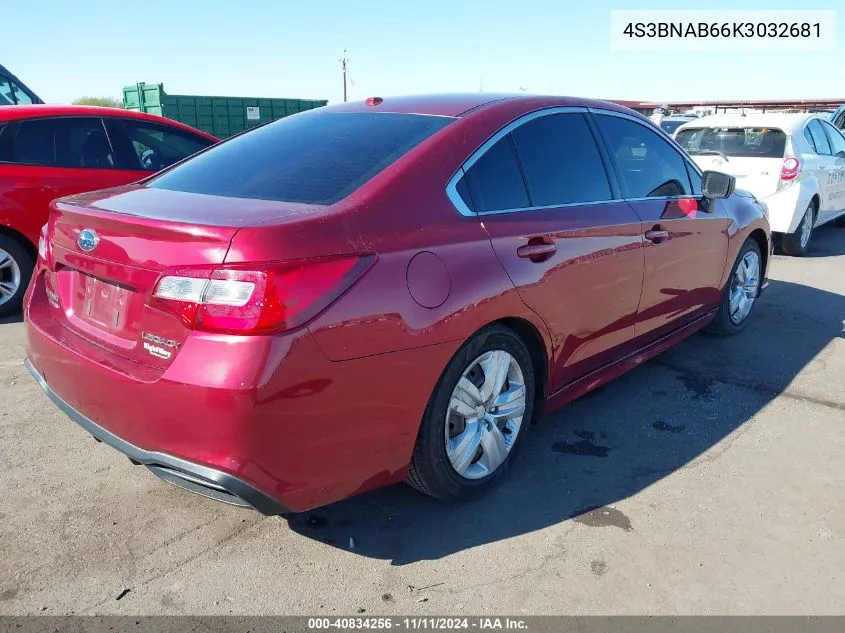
[
  {"x": 202, "y": 480},
  {"x": 235, "y": 415},
  {"x": 787, "y": 207}
]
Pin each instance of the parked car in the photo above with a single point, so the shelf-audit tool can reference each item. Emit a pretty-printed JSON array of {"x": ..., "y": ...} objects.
[
  {"x": 794, "y": 163},
  {"x": 838, "y": 117},
  {"x": 13, "y": 91},
  {"x": 381, "y": 291},
  {"x": 674, "y": 121},
  {"x": 51, "y": 151}
]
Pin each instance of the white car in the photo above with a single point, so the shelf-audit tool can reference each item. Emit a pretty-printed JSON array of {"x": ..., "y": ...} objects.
[{"x": 795, "y": 163}]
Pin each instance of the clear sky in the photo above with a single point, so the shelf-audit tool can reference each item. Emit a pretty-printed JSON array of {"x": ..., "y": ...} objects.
[{"x": 290, "y": 48}]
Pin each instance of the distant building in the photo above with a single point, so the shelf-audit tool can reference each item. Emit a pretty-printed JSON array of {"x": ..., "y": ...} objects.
[{"x": 751, "y": 105}]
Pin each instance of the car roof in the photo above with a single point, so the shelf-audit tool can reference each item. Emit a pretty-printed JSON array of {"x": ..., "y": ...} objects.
[
  {"x": 784, "y": 121},
  {"x": 20, "y": 112},
  {"x": 460, "y": 104}
]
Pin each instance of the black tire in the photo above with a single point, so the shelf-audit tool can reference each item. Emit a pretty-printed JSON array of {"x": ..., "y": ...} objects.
[
  {"x": 790, "y": 243},
  {"x": 24, "y": 264},
  {"x": 431, "y": 471},
  {"x": 722, "y": 324}
]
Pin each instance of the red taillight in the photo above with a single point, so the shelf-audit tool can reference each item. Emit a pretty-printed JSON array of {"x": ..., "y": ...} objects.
[
  {"x": 255, "y": 298},
  {"x": 790, "y": 168}
]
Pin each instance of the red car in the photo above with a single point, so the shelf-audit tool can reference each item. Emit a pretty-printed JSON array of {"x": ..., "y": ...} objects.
[
  {"x": 47, "y": 152},
  {"x": 382, "y": 291}
]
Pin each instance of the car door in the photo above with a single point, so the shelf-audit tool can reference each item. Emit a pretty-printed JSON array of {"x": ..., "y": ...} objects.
[
  {"x": 148, "y": 147},
  {"x": 686, "y": 237},
  {"x": 835, "y": 182},
  {"x": 822, "y": 167},
  {"x": 572, "y": 248},
  {"x": 48, "y": 158}
]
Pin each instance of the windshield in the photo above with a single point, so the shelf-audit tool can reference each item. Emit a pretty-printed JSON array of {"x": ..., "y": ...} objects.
[
  {"x": 312, "y": 158},
  {"x": 751, "y": 142}
]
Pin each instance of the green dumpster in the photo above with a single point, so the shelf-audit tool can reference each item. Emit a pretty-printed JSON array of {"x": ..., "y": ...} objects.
[{"x": 220, "y": 116}]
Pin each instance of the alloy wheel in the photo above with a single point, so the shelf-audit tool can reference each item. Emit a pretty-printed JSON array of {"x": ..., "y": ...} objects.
[
  {"x": 745, "y": 286},
  {"x": 10, "y": 277},
  {"x": 806, "y": 228},
  {"x": 485, "y": 413}
]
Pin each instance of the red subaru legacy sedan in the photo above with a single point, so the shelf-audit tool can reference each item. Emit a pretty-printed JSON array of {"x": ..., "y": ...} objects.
[
  {"x": 382, "y": 291},
  {"x": 47, "y": 152}
]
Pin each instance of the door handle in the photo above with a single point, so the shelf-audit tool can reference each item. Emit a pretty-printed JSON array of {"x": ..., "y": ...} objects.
[
  {"x": 537, "y": 252},
  {"x": 656, "y": 235}
]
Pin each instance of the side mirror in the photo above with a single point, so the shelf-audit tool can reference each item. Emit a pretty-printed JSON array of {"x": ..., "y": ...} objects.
[{"x": 715, "y": 185}]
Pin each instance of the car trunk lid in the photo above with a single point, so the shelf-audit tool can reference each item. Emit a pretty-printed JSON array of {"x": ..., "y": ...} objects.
[{"x": 107, "y": 253}]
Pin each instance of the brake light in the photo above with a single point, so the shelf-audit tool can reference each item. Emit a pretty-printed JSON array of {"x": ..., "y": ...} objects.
[
  {"x": 790, "y": 168},
  {"x": 256, "y": 298}
]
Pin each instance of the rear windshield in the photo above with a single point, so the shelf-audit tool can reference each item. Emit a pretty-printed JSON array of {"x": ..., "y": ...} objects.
[
  {"x": 311, "y": 158},
  {"x": 752, "y": 142}
]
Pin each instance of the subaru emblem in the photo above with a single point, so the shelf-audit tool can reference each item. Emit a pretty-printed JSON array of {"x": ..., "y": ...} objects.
[{"x": 88, "y": 240}]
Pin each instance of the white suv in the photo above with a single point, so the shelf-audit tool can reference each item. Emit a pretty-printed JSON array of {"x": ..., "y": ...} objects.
[{"x": 795, "y": 163}]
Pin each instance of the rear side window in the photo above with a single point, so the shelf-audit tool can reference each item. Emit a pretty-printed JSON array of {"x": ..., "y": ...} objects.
[
  {"x": 561, "y": 161},
  {"x": 648, "y": 165},
  {"x": 310, "y": 158},
  {"x": 11, "y": 93},
  {"x": 152, "y": 146},
  {"x": 21, "y": 98},
  {"x": 837, "y": 141},
  {"x": 810, "y": 139},
  {"x": 495, "y": 182},
  {"x": 63, "y": 142},
  {"x": 6, "y": 96},
  {"x": 819, "y": 139}
]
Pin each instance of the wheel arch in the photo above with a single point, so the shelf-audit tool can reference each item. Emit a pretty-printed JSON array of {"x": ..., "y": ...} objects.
[
  {"x": 533, "y": 339},
  {"x": 21, "y": 239},
  {"x": 759, "y": 236}
]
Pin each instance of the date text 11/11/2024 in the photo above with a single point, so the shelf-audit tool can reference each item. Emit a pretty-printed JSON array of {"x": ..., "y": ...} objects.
[{"x": 418, "y": 624}]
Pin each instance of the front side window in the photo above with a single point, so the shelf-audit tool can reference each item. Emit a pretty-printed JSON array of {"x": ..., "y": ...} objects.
[
  {"x": 307, "y": 158},
  {"x": 155, "y": 146},
  {"x": 61, "y": 142},
  {"x": 649, "y": 166},
  {"x": 820, "y": 142},
  {"x": 561, "y": 161},
  {"x": 494, "y": 181}
]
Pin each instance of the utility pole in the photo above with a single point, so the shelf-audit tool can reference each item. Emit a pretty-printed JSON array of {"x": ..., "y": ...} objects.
[{"x": 344, "y": 63}]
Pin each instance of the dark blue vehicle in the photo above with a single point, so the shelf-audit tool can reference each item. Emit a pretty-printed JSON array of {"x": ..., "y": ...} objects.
[{"x": 13, "y": 91}]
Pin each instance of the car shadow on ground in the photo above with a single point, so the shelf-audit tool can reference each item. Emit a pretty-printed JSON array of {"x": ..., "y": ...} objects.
[
  {"x": 606, "y": 446},
  {"x": 15, "y": 318},
  {"x": 827, "y": 241}
]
